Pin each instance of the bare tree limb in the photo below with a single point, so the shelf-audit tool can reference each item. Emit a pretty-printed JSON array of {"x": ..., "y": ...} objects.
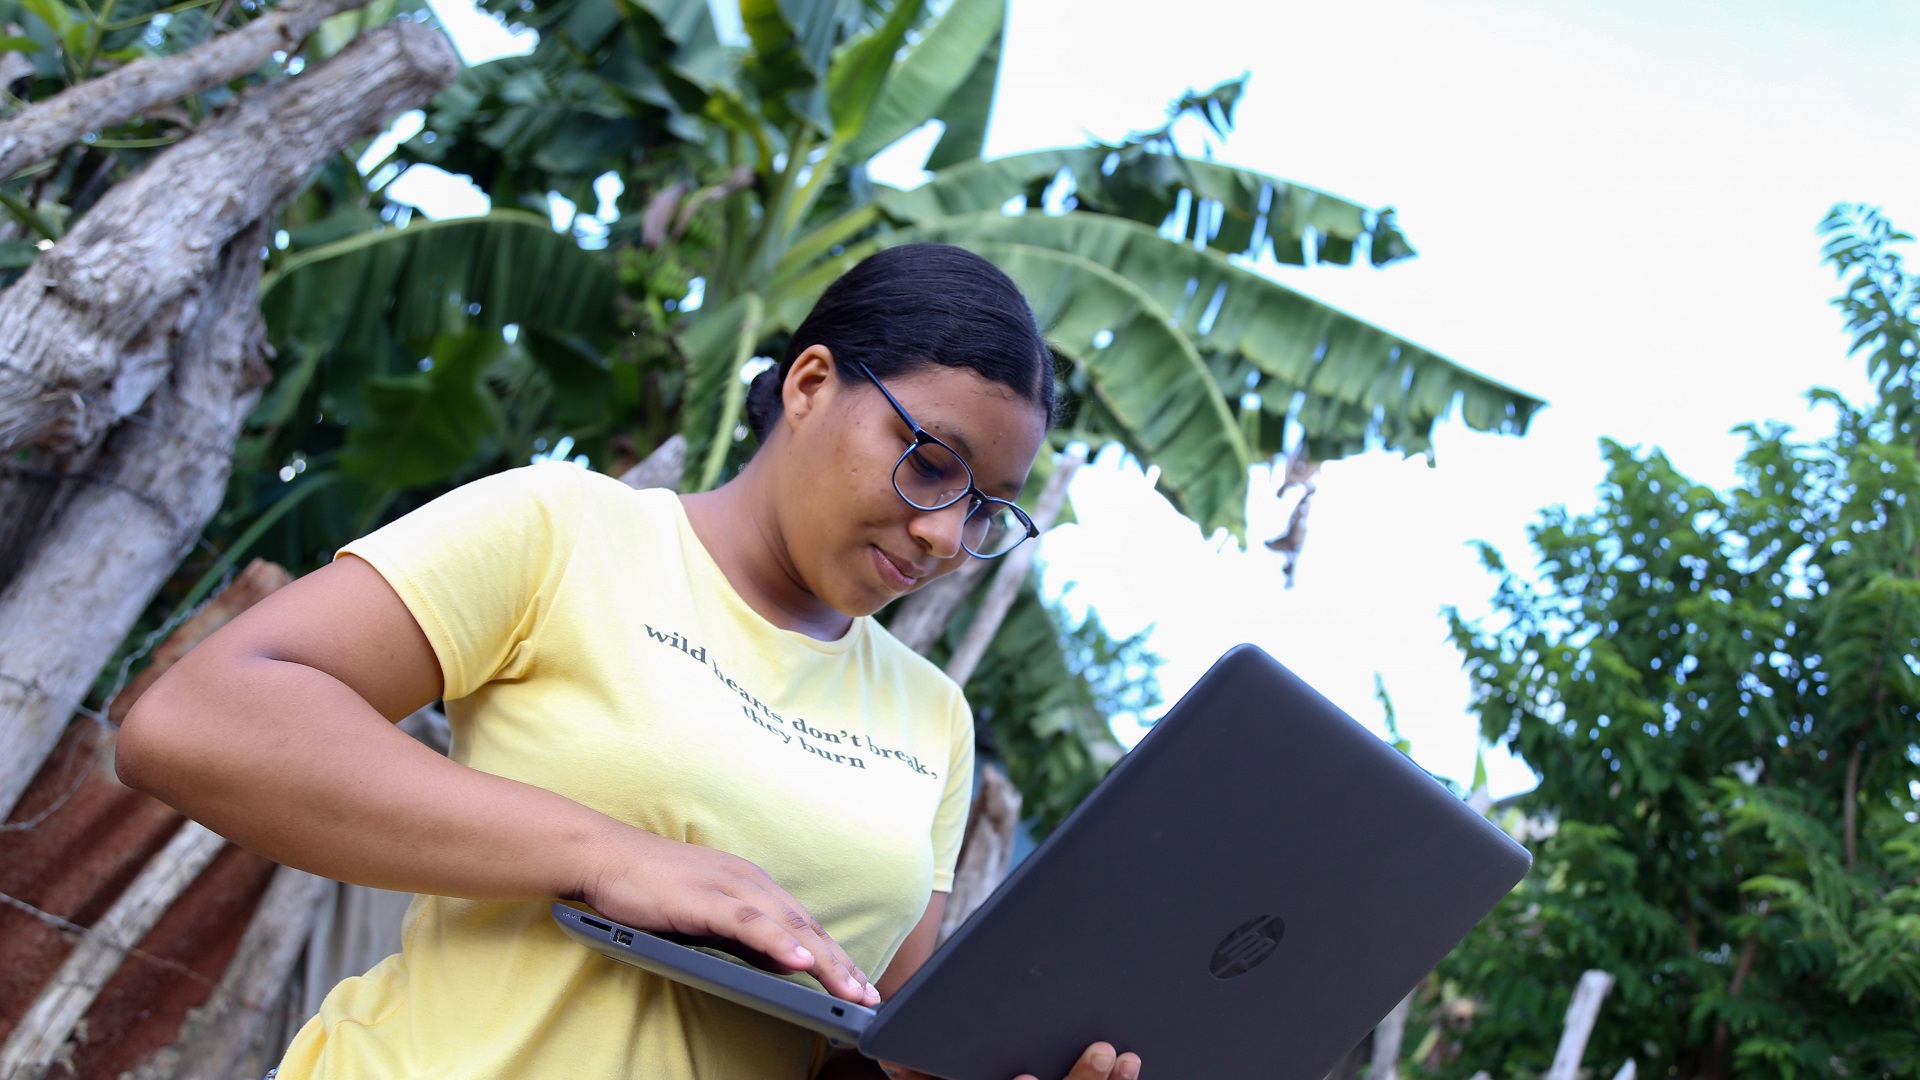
[
  {"x": 1012, "y": 573},
  {"x": 1582, "y": 1013},
  {"x": 924, "y": 614},
  {"x": 84, "y": 337},
  {"x": 1850, "y": 805},
  {"x": 660, "y": 469},
  {"x": 13, "y": 67},
  {"x": 50, "y": 126}
]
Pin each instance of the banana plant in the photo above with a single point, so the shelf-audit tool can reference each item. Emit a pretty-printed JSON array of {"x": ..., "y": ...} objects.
[
  {"x": 412, "y": 357},
  {"x": 748, "y": 162}
]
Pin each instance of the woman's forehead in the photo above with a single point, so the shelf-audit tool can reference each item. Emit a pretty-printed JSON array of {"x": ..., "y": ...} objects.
[{"x": 988, "y": 422}]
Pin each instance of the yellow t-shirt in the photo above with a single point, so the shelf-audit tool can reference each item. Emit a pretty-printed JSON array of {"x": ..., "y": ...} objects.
[{"x": 591, "y": 646}]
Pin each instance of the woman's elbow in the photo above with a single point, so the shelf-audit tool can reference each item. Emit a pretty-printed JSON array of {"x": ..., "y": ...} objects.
[{"x": 148, "y": 755}]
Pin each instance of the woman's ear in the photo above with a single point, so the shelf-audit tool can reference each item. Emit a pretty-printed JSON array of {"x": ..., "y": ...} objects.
[{"x": 809, "y": 386}]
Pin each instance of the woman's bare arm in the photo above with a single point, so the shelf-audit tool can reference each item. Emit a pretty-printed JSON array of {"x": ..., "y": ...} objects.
[{"x": 277, "y": 732}]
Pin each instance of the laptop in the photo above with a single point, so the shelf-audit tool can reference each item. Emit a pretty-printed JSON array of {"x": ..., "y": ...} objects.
[{"x": 1268, "y": 877}]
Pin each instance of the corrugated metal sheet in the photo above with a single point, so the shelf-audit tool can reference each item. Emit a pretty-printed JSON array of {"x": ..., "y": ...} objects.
[{"x": 95, "y": 837}]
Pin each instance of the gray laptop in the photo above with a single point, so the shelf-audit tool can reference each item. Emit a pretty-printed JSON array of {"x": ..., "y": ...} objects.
[{"x": 1246, "y": 895}]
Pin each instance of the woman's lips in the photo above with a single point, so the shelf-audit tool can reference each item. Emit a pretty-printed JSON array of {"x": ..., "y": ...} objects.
[{"x": 896, "y": 576}]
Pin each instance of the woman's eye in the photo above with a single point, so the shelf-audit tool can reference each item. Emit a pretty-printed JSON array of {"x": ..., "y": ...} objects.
[{"x": 925, "y": 466}]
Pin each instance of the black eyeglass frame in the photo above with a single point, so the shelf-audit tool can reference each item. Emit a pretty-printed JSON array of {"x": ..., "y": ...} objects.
[{"x": 922, "y": 437}]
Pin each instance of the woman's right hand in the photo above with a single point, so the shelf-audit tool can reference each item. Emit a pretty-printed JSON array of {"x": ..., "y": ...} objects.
[{"x": 653, "y": 883}]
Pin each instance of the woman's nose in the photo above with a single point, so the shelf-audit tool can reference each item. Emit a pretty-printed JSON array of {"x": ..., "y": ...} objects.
[{"x": 940, "y": 530}]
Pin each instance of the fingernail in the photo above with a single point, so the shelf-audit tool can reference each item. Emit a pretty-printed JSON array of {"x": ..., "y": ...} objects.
[
  {"x": 1103, "y": 1061},
  {"x": 802, "y": 953},
  {"x": 873, "y": 990}
]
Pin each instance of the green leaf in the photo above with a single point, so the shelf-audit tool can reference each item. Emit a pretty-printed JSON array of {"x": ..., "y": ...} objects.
[
  {"x": 857, "y": 74},
  {"x": 948, "y": 55},
  {"x": 966, "y": 113},
  {"x": 18, "y": 44},
  {"x": 716, "y": 347},
  {"x": 1148, "y": 377},
  {"x": 421, "y": 429},
  {"x": 698, "y": 57},
  {"x": 1248, "y": 213},
  {"x": 18, "y": 254},
  {"x": 1374, "y": 387},
  {"x": 375, "y": 301},
  {"x": 793, "y": 44},
  {"x": 54, "y": 14}
]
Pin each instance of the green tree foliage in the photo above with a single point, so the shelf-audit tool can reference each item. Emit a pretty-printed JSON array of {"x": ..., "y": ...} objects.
[{"x": 1720, "y": 692}]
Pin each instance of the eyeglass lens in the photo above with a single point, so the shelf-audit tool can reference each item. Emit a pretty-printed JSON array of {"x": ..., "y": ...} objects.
[
  {"x": 993, "y": 529},
  {"x": 932, "y": 477}
]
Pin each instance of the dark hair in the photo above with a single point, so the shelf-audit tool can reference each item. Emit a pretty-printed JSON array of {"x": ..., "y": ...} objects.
[{"x": 906, "y": 307}]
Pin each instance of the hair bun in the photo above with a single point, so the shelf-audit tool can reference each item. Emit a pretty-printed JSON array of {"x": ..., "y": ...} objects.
[{"x": 763, "y": 401}]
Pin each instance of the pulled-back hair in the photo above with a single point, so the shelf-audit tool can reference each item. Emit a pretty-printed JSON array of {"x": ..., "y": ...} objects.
[{"x": 905, "y": 308}]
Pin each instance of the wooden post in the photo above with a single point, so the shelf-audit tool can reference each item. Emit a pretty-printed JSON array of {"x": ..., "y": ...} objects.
[
  {"x": 1387, "y": 1038},
  {"x": 987, "y": 852},
  {"x": 218, "y": 1033},
  {"x": 1581, "y": 1014}
]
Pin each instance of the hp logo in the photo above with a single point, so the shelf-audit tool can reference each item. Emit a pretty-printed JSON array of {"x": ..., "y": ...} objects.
[{"x": 1250, "y": 943}]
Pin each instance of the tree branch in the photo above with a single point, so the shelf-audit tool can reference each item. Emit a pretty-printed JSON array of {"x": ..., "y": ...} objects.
[
  {"x": 49, "y": 126},
  {"x": 1011, "y": 574},
  {"x": 1849, "y": 806},
  {"x": 84, "y": 333},
  {"x": 923, "y": 615}
]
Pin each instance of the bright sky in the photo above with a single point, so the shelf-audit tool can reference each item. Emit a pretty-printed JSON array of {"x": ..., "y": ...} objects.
[{"x": 1615, "y": 205}]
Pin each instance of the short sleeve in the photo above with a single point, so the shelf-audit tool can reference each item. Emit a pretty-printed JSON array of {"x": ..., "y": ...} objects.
[
  {"x": 950, "y": 821},
  {"x": 477, "y": 566}
]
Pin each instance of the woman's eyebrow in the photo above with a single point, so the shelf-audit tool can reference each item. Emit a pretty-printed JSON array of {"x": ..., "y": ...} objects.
[{"x": 952, "y": 438}]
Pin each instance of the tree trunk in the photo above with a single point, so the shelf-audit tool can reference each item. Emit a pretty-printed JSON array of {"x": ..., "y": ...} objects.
[
  {"x": 1387, "y": 1039},
  {"x": 987, "y": 851},
  {"x": 88, "y": 332},
  {"x": 661, "y": 468},
  {"x": 151, "y": 307}
]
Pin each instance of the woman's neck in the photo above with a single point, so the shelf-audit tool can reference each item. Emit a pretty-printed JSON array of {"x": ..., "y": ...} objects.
[{"x": 737, "y": 525}]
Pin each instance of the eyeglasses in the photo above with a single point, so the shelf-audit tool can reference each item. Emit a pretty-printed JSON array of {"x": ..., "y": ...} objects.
[{"x": 930, "y": 475}]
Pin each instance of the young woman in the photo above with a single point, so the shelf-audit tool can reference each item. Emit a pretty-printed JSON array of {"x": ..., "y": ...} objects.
[{"x": 674, "y": 709}]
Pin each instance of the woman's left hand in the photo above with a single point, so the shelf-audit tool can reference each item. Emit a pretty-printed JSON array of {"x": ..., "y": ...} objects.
[{"x": 1100, "y": 1062}]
